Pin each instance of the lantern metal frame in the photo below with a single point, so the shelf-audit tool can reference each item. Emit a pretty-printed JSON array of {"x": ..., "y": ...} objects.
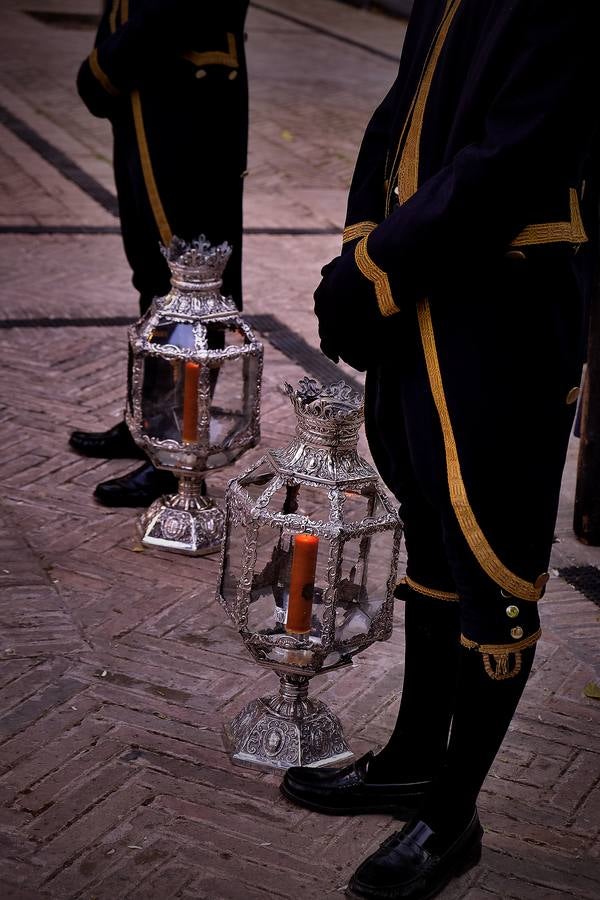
[
  {"x": 190, "y": 521},
  {"x": 290, "y": 728}
]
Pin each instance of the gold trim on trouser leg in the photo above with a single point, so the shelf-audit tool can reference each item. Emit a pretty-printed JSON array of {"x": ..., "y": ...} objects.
[
  {"x": 496, "y": 657},
  {"x": 469, "y": 526},
  {"x": 428, "y": 592},
  {"x": 164, "y": 229},
  {"x": 112, "y": 19}
]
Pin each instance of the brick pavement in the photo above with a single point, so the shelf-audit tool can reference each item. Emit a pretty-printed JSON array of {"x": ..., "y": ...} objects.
[{"x": 118, "y": 668}]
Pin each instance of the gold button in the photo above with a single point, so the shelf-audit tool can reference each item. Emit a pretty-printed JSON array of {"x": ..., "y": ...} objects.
[
  {"x": 512, "y": 611},
  {"x": 232, "y": 75},
  {"x": 515, "y": 254},
  {"x": 541, "y": 580},
  {"x": 201, "y": 73},
  {"x": 516, "y": 632},
  {"x": 572, "y": 395}
]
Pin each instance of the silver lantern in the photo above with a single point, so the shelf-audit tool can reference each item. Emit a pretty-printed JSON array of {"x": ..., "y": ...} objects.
[
  {"x": 193, "y": 393},
  {"x": 308, "y": 570}
]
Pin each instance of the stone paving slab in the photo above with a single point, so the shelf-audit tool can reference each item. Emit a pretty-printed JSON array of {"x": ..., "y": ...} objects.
[{"x": 117, "y": 666}]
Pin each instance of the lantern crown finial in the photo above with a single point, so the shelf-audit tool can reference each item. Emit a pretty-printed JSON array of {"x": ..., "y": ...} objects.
[
  {"x": 197, "y": 263},
  {"x": 338, "y": 403}
]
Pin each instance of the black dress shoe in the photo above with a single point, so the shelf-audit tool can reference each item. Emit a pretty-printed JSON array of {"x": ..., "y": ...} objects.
[
  {"x": 416, "y": 863},
  {"x": 346, "y": 792},
  {"x": 138, "y": 488},
  {"x": 116, "y": 443}
]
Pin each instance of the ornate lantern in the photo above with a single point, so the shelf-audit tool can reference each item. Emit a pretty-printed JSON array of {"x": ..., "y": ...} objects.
[
  {"x": 193, "y": 394},
  {"x": 308, "y": 570}
]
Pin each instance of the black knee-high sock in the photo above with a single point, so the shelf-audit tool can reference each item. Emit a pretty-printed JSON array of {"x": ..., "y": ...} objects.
[
  {"x": 419, "y": 740},
  {"x": 483, "y": 711}
]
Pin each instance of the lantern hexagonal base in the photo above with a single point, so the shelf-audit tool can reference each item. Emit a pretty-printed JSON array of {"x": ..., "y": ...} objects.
[
  {"x": 194, "y": 527},
  {"x": 282, "y": 731}
]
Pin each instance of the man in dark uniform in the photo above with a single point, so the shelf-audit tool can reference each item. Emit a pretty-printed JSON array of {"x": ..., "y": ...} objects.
[
  {"x": 171, "y": 77},
  {"x": 460, "y": 290}
]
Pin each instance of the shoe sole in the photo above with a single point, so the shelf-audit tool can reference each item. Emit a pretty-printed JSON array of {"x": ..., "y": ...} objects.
[
  {"x": 391, "y": 809},
  {"x": 471, "y": 859}
]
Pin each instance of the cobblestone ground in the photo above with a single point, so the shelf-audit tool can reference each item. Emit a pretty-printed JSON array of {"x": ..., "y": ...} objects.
[{"x": 118, "y": 668}]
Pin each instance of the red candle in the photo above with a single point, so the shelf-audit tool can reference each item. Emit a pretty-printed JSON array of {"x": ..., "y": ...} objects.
[
  {"x": 190, "y": 402},
  {"x": 302, "y": 583}
]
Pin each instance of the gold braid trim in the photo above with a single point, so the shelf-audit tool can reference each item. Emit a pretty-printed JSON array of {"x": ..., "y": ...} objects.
[
  {"x": 164, "y": 229},
  {"x": 370, "y": 270},
  {"x": 408, "y": 170},
  {"x": 361, "y": 229},
  {"x": 112, "y": 19},
  {"x": 429, "y": 592},
  {"x": 100, "y": 75},
  {"x": 475, "y": 537},
  {"x": 572, "y": 232},
  {"x": 499, "y": 655},
  {"x": 227, "y": 57}
]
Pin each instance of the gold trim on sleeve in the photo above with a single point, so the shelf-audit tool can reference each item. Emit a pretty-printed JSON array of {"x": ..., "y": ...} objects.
[
  {"x": 429, "y": 592},
  {"x": 381, "y": 283},
  {"x": 361, "y": 229},
  {"x": 164, "y": 229},
  {"x": 100, "y": 75},
  {"x": 572, "y": 232},
  {"x": 469, "y": 526},
  {"x": 227, "y": 57}
]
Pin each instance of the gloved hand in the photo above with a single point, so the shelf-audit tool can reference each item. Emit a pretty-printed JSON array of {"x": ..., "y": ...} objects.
[{"x": 351, "y": 326}]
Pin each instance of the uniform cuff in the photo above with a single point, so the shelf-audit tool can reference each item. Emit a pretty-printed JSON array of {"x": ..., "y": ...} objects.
[{"x": 378, "y": 277}]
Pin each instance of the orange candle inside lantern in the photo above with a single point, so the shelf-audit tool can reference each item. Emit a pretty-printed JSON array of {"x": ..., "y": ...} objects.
[
  {"x": 302, "y": 583},
  {"x": 190, "y": 402}
]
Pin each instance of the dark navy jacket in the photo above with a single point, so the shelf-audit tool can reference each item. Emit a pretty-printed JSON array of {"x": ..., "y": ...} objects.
[
  {"x": 171, "y": 77},
  {"x": 463, "y": 273}
]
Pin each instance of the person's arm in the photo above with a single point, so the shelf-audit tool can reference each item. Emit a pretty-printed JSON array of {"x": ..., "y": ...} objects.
[
  {"x": 535, "y": 132},
  {"x": 155, "y": 31}
]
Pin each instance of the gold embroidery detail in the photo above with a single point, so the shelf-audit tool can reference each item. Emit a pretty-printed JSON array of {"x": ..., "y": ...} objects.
[
  {"x": 112, "y": 19},
  {"x": 100, "y": 75},
  {"x": 227, "y": 57},
  {"x": 572, "y": 396},
  {"x": 476, "y": 540},
  {"x": 164, "y": 229},
  {"x": 408, "y": 170},
  {"x": 124, "y": 11},
  {"x": 361, "y": 229},
  {"x": 500, "y": 654},
  {"x": 370, "y": 270},
  {"x": 429, "y": 592},
  {"x": 571, "y": 232}
]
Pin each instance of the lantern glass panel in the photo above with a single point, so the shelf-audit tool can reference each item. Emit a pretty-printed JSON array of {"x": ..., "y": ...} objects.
[
  {"x": 362, "y": 588},
  {"x": 233, "y": 401},
  {"x": 173, "y": 334},
  {"x": 234, "y": 553},
  {"x": 162, "y": 397}
]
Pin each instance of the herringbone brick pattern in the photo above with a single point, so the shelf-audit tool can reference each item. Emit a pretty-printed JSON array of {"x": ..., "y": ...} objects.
[{"x": 118, "y": 669}]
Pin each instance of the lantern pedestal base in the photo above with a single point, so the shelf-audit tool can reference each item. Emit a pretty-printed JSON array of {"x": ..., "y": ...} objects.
[
  {"x": 287, "y": 729},
  {"x": 184, "y": 522}
]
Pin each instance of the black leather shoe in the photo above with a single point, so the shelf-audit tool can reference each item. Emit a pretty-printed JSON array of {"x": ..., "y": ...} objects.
[
  {"x": 138, "y": 488},
  {"x": 415, "y": 863},
  {"x": 346, "y": 792},
  {"x": 116, "y": 443}
]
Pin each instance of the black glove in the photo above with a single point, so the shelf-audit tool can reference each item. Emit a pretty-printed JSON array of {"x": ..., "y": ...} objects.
[{"x": 351, "y": 326}]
